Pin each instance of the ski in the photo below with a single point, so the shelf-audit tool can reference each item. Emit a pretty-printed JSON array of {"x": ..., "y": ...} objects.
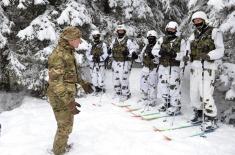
[
  {"x": 130, "y": 109},
  {"x": 122, "y": 105},
  {"x": 200, "y": 133},
  {"x": 182, "y": 126},
  {"x": 142, "y": 112},
  {"x": 203, "y": 133},
  {"x": 155, "y": 116}
]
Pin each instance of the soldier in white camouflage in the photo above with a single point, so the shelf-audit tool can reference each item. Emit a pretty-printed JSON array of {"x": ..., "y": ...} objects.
[
  {"x": 171, "y": 51},
  {"x": 97, "y": 55},
  {"x": 206, "y": 49},
  {"x": 149, "y": 77},
  {"x": 123, "y": 50}
]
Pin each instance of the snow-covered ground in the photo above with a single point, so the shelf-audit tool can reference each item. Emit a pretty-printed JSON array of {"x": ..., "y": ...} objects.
[{"x": 105, "y": 130}]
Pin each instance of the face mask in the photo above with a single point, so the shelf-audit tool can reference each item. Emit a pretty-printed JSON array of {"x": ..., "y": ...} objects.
[
  {"x": 151, "y": 40},
  {"x": 171, "y": 33},
  {"x": 121, "y": 35},
  {"x": 96, "y": 38}
]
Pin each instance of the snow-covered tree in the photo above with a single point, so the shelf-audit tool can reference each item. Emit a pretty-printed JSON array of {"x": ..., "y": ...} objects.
[{"x": 29, "y": 31}]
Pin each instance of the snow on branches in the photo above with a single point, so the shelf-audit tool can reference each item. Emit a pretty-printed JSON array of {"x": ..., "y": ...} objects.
[
  {"x": 40, "y": 28},
  {"x": 74, "y": 14},
  {"x": 132, "y": 8}
]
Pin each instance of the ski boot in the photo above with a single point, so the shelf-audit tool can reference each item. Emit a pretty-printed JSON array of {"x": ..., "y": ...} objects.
[
  {"x": 209, "y": 124},
  {"x": 123, "y": 98},
  {"x": 197, "y": 116},
  {"x": 162, "y": 107},
  {"x": 173, "y": 111}
]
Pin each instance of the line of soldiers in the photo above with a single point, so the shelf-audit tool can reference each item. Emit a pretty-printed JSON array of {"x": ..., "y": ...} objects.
[{"x": 163, "y": 61}]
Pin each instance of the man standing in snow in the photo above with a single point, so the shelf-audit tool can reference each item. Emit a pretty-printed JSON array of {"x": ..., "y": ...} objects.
[
  {"x": 97, "y": 54},
  {"x": 61, "y": 91},
  {"x": 148, "y": 80},
  {"x": 171, "y": 50},
  {"x": 122, "y": 51},
  {"x": 206, "y": 46}
]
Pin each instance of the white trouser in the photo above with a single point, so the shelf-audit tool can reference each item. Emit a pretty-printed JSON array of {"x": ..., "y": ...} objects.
[
  {"x": 169, "y": 85},
  {"x": 148, "y": 83},
  {"x": 203, "y": 94},
  {"x": 121, "y": 73},
  {"x": 97, "y": 74}
]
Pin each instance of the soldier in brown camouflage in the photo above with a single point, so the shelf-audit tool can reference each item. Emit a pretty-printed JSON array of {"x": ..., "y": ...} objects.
[{"x": 61, "y": 90}]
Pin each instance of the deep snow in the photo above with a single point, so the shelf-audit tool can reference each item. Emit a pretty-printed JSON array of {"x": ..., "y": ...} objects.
[{"x": 105, "y": 130}]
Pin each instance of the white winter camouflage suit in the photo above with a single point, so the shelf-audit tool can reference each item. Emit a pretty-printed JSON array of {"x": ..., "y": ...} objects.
[
  {"x": 169, "y": 89},
  {"x": 196, "y": 84},
  {"x": 149, "y": 76},
  {"x": 97, "y": 70},
  {"x": 121, "y": 70}
]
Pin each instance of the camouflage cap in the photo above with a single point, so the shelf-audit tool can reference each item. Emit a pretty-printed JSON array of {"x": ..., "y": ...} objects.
[{"x": 71, "y": 33}]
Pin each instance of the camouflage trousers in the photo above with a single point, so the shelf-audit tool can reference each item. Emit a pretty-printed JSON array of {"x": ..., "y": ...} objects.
[
  {"x": 97, "y": 74},
  {"x": 169, "y": 85},
  {"x": 64, "y": 120},
  {"x": 121, "y": 73},
  {"x": 148, "y": 83},
  {"x": 202, "y": 91}
]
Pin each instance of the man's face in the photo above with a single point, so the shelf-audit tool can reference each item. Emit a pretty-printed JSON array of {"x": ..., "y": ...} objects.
[
  {"x": 121, "y": 33},
  {"x": 75, "y": 43}
]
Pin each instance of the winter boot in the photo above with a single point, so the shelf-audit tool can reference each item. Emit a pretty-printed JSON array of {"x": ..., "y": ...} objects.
[
  {"x": 124, "y": 98},
  {"x": 197, "y": 116},
  {"x": 209, "y": 123},
  {"x": 173, "y": 111},
  {"x": 162, "y": 107}
]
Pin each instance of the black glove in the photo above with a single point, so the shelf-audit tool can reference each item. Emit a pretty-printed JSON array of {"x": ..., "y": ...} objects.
[
  {"x": 172, "y": 54},
  {"x": 109, "y": 51},
  {"x": 134, "y": 56},
  {"x": 151, "y": 55},
  {"x": 162, "y": 53},
  {"x": 126, "y": 52},
  {"x": 96, "y": 59},
  {"x": 185, "y": 59}
]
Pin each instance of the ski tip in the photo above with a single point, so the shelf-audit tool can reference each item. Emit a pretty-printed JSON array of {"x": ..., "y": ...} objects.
[
  {"x": 156, "y": 129},
  {"x": 167, "y": 138}
]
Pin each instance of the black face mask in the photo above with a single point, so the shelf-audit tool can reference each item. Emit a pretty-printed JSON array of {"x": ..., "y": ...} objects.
[
  {"x": 170, "y": 33},
  {"x": 200, "y": 26},
  {"x": 96, "y": 38},
  {"x": 121, "y": 35},
  {"x": 152, "y": 40}
]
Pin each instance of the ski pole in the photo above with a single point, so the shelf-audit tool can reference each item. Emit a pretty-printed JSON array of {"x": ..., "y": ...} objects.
[
  {"x": 203, "y": 78},
  {"x": 185, "y": 63}
]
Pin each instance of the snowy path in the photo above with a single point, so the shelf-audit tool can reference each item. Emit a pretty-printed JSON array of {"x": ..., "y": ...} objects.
[{"x": 105, "y": 130}]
